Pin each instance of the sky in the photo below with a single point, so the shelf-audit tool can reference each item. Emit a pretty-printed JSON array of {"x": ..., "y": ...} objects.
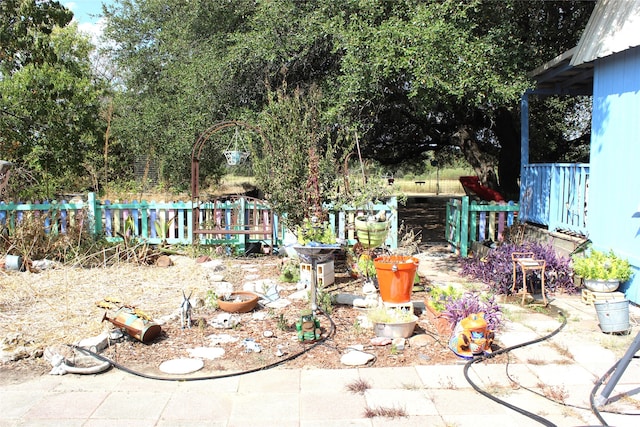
[{"x": 86, "y": 13}]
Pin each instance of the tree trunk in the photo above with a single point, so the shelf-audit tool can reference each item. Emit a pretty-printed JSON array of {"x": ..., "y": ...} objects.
[
  {"x": 482, "y": 164},
  {"x": 509, "y": 158}
]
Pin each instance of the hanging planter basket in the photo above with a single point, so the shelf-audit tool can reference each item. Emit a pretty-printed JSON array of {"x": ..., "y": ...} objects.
[
  {"x": 371, "y": 234},
  {"x": 236, "y": 157}
]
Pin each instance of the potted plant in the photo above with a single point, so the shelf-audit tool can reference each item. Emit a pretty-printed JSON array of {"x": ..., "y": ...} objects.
[
  {"x": 392, "y": 322},
  {"x": 435, "y": 304},
  {"x": 602, "y": 271}
]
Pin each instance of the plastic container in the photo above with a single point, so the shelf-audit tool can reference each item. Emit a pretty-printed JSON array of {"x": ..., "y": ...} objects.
[{"x": 13, "y": 263}]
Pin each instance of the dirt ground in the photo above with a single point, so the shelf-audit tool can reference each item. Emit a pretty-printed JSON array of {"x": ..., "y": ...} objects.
[{"x": 60, "y": 306}]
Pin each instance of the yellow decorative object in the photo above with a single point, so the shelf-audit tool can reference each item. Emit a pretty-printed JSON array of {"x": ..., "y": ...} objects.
[{"x": 471, "y": 337}]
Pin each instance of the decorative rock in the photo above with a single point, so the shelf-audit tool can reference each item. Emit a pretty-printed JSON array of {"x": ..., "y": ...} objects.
[
  {"x": 299, "y": 296},
  {"x": 225, "y": 321},
  {"x": 251, "y": 345},
  {"x": 95, "y": 344},
  {"x": 209, "y": 353},
  {"x": 380, "y": 341},
  {"x": 203, "y": 258},
  {"x": 421, "y": 340},
  {"x": 398, "y": 343},
  {"x": 214, "y": 265},
  {"x": 365, "y": 302},
  {"x": 215, "y": 278},
  {"x": 267, "y": 334},
  {"x": 181, "y": 366},
  {"x": 259, "y": 315},
  {"x": 280, "y": 303},
  {"x": 358, "y": 347},
  {"x": 164, "y": 261},
  {"x": 364, "y": 322},
  {"x": 356, "y": 358},
  {"x": 346, "y": 299},
  {"x": 251, "y": 277},
  {"x": 216, "y": 339}
]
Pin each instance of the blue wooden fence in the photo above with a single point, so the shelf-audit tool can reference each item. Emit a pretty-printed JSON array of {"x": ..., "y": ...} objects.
[
  {"x": 555, "y": 195},
  {"x": 472, "y": 221},
  {"x": 236, "y": 221}
]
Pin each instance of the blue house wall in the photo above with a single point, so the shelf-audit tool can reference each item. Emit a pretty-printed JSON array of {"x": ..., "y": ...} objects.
[{"x": 614, "y": 197}]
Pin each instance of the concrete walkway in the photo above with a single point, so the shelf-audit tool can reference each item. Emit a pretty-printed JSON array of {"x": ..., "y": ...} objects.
[{"x": 563, "y": 368}]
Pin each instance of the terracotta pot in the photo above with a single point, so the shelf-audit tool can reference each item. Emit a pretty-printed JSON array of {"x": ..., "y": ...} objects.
[
  {"x": 239, "y": 302},
  {"x": 396, "y": 274},
  {"x": 439, "y": 323}
]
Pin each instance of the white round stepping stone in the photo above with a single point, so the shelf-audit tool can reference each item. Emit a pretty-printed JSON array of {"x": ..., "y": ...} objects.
[
  {"x": 181, "y": 366},
  {"x": 209, "y": 353},
  {"x": 356, "y": 358}
]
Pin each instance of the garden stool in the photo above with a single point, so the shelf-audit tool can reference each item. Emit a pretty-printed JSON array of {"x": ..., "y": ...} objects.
[{"x": 527, "y": 263}]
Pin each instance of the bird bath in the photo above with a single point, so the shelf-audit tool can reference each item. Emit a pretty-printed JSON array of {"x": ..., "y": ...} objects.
[{"x": 315, "y": 254}]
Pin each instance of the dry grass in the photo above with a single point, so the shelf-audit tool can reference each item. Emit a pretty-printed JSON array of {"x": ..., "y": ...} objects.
[
  {"x": 358, "y": 386},
  {"x": 58, "y": 306},
  {"x": 385, "y": 412}
]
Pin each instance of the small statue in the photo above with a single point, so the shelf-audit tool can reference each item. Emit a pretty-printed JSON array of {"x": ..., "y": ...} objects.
[
  {"x": 185, "y": 310},
  {"x": 308, "y": 327},
  {"x": 471, "y": 337}
]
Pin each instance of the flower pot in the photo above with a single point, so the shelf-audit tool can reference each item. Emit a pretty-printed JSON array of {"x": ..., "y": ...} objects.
[
  {"x": 371, "y": 234},
  {"x": 395, "y": 330},
  {"x": 395, "y": 277},
  {"x": 598, "y": 285},
  {"x": 440, "y": 323},
  {"x": 239, "y": 302}
]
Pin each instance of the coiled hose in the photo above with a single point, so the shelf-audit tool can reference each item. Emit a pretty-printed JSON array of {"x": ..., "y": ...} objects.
[
  {"x": 213, "y": 377},
  {"x": 531, "y": 415}
]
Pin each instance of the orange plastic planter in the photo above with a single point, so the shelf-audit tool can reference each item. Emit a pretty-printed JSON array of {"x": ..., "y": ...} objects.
[{"x": 395, "y": 277}]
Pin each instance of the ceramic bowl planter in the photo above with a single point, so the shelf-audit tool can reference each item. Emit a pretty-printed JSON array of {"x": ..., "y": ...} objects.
[
  {"x": 392, "y": 322},
  {"x": 239, "y": 302},
  {"x": 602, "y": 271},
  {"x": 597, "y": 285},
  {"x": 396, "y": 274},
  {"x": 371, "y": 234}
]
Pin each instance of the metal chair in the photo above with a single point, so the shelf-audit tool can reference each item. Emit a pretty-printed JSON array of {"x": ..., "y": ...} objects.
[{"x": 527, "y": 262}]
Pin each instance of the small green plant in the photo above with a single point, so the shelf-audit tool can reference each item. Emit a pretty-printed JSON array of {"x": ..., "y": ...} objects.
[
  {"x": 366, "y": 266},
  {"x": 290, "y": 271},
  {"x": 390, "y": 315},
  {"x": 282, "y": 323},
  {"x": 311, "y": 230},
  {"x": 212, "y": 299},
  {"x": 602, "y": 266},
  {"x": 438, "y": 296},
  {"x": 324, "y": 300}
]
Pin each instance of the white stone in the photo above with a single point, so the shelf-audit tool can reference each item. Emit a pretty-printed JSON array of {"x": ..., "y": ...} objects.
[
  {"x": 267, "y": 334},
  {"x": 280, "y": 303},
  {"x": 346, "y": 299},
  {"x": 251, "y": 276},
  {"x": 216, "y": 339},
  {"x": 209, "y": 353},
  {"x": 380, "y": 341},
  {"x": 213, "y": 265},
  {"x": 95, "y": 344},
  {"x": 356, "y": 358},
  {"x": 259, "y": 315},
  {"x": 299, "y": 296},
  {"x": 181, "y": 366},
  {"x": 399, "y": 343},
  {"x": 364, "y": 322}
]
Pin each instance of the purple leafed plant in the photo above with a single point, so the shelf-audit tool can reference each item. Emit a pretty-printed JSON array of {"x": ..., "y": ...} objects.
[
  {"x": 496, "y": 269},
  {"x": 457, "y": 309}
]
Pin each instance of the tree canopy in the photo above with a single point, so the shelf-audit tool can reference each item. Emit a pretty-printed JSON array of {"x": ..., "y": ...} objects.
[{"x": 49, "y": 98}]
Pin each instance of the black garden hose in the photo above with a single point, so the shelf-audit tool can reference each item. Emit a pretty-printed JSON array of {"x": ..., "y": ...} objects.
[
  {"x": 214, "y": 377},
  {"x": 531, "y": 415}
]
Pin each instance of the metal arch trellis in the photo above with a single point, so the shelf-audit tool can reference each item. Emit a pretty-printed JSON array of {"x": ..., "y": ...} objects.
[{"x": 196, "y": 152}]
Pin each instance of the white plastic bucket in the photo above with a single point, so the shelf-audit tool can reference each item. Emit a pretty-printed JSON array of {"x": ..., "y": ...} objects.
[{"x": 613, "y": 315}]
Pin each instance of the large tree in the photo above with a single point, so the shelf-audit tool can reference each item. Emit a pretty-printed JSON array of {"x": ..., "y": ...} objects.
[
  {"x": 411, "y": 75},
  {"x": 49, "y": 98}
]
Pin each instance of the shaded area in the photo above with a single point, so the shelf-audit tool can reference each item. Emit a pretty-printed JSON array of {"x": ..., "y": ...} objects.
[{"x": 426, "y": 216}]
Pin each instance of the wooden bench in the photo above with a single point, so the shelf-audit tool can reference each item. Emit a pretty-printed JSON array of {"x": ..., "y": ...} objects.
[
  {"x": 420, "y": 182},
  {"x": 242, "y": 216}
]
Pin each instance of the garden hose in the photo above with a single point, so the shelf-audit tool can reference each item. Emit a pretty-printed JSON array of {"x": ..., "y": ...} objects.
[
  {"x": 531, "y": 415},
  {"x": 213, "y": 377}
]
